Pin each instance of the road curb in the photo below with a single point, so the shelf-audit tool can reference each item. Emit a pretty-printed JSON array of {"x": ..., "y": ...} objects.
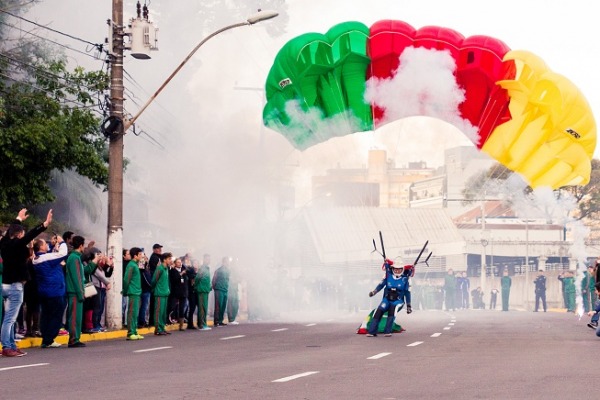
[{"x": 27, "y": 343}]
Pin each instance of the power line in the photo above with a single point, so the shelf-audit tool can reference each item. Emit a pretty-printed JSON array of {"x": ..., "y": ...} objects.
[
  {"x": 131, "y": 79},
  {"x": 46, "y": 72},
  {"x": 60, "y": 101},
  {"x": 98, "y": 46},
  {"x": 49, "y": 40}
]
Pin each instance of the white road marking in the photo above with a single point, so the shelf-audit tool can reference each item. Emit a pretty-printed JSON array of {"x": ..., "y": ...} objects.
[
  {"x": 24, "y": 366},
  {"x": 292, "y": 377},
  {"x": 279, "y": 330},
  {"x": 451, "y": 324},
  {"x": 310, "y": 325},
  {"x": 437, "y": 334},
  {"x": 414, "y": 344},
  {"x": 153, "y": 349},
  {"x": 378, "y": 356},
  {"x": 329, "y": 320},
  {"x": 233, "y": 337},
  {"x": 446, "y": 328},
  {"x": 452, "y": 320}
]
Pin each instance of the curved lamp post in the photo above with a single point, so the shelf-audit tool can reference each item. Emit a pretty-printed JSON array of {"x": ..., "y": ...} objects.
[{"x": 253, "y": 19}]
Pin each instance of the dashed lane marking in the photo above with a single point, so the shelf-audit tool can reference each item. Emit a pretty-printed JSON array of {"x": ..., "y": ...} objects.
[
  {"x": 310, "y": 325},
  {"x": 153, "y": 349},
  {"x": 446, "y": 328},
  {"x": 378, "y": 356},
  {"x": 233, "y": 337},
  {"x": 414, "y": 344},
  {"x": 437, "y": 334},
  {"x": 279, "y": 330},
  {"x": 451, "y": 324},
  {"x": 292, "y": 377},
  {"x": 24, "y": 366}
]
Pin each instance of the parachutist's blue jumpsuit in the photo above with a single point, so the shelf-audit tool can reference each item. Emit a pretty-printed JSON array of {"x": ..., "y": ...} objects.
[{"x": 393, "y": 295}]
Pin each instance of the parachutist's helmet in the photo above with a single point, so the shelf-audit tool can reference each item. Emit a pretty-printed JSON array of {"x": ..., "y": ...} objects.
[{"x": 397, "y": 271}]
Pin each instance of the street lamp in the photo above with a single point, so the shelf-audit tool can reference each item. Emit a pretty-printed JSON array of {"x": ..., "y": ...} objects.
[
  {"x": 115, "y": 128},
  {"x": 253, "y": 19}
]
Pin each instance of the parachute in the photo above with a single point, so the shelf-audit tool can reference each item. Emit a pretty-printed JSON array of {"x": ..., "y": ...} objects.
[
  {"x": 509, "y": 103},
  {"x": 364, "y": 326}
]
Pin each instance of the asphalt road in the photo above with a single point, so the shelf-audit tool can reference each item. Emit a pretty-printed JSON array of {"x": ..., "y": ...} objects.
[{"x": 459, "y": 355}]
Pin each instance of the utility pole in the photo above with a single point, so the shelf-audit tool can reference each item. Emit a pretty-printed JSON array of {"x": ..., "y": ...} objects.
[
  {"x": 115, "y": 172},
  {"x": 117, "y": 125}
]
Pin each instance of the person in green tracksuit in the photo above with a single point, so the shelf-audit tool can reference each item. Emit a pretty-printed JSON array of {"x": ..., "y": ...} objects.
[
  {"x": 233, "y": 297},
  {"x": 569, "y": 284},
  {"x": 220, "y": 284},
  {"x": 505, "y": 282},
  {"x": 592, "y": 287},
  {"x": 202, "y": 286},
  {"x": 132, "y": 288},
  {"x": 450, "y": 290},
  {"x": 75, "y": 282},
  {"x": 586, "y": 293},
  {"x": 160, "y": 291}
]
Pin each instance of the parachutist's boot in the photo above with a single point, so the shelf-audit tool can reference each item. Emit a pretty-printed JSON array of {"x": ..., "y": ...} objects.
[{"x": 408, "y": 309}]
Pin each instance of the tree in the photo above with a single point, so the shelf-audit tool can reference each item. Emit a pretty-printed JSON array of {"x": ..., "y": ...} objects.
[
  {"x": 486, "y": 182},
  {"x": 587, "y": 197},
  {"x": 47, "y": 122}
]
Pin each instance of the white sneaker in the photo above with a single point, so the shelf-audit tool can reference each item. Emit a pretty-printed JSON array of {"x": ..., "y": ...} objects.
[
  {"x": 205, "y": 328},
  {"x": 234, "y": 323},
  {"x": 18, "y": 336}
]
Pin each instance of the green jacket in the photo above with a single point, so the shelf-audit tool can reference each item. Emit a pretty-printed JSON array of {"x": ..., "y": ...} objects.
[
  {"x": 588, "y": 282},
  {"x": 505, "y": 282},
  {"x": 75, "y": 274},
  {"x": 132, "y": 281},
  {"x": 569, "y": 285},
  {"x": 449, "y": 282},
  {"x": 202, "y": 280},
  {"x": 160, "y": 281},
  {"x": 221, "y": 279}
]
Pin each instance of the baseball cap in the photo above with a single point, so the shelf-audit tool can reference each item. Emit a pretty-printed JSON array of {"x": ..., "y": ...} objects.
[{"x": 156, "y": 246}]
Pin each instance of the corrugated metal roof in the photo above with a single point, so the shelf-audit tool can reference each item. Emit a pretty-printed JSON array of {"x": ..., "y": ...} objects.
[{"x": 346, "y": 233}]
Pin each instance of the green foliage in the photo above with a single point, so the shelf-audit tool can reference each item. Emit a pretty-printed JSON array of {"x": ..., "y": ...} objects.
[{"x": 46, "y": 123}]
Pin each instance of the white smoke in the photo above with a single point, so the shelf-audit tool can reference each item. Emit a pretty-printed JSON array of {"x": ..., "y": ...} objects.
[
  {"x": 555, "y": 208},
  {"x": 424, "y": 85}
]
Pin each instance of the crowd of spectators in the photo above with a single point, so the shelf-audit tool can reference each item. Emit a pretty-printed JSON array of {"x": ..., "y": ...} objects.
[{"x": 56, "y": 285}]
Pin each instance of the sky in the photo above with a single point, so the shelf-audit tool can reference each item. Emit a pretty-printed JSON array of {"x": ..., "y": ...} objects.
[{"x": 204, "y": 162}]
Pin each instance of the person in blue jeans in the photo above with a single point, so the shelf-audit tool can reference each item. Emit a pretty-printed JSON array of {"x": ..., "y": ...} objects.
[
  {"x": 15, "y": 253},
  {"x": 395, "y": 285},
  {"x": 595, "y": 314},
  {"x": 51, "y": 287}
]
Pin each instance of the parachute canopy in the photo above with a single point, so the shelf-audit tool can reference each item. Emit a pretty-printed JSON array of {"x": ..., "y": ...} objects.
[{"x": 509, "y": 103}]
